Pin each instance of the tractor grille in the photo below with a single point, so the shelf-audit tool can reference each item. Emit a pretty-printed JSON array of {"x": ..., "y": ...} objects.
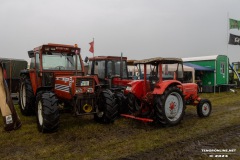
[{"x": 84, "y": 82}]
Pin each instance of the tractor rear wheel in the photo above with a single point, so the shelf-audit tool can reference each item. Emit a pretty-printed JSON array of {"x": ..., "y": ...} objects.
[
  {"x": 133, "y": 103},
  {"x": 204, "y": 108},
  {"x": 26, "y": 96},
  {"x": 47, "y": 112},
  {"x": 107, "y": 109},
  {"x": 169, "y": 107},
  {"x": 121, "y": 101}
]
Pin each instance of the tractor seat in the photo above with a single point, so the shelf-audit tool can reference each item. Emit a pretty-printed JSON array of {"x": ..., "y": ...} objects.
[{"x": 153, "y": 80}]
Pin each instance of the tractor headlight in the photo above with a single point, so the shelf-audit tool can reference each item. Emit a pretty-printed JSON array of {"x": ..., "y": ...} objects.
[
  {"x": 79, "y": 90},
  {"x": 129, "y": 88},
  {"x": 90, "y": 90}
]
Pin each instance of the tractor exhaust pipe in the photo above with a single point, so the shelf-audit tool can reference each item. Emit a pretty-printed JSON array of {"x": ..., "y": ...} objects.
[{"x": 121, "y": 66}]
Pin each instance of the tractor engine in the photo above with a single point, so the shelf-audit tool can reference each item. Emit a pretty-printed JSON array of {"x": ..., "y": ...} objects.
[{"x": 79, "y": 91}]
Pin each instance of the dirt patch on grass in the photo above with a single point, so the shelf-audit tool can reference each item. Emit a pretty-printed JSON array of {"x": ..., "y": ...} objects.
[{"x": 226, "y": 138}]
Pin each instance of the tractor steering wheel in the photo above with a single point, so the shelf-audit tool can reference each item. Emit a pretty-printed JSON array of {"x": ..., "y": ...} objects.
[{"x": 60, "y": 67}]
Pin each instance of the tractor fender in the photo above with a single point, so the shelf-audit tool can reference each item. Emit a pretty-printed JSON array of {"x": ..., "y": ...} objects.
[{"x": 162, "y": 86}]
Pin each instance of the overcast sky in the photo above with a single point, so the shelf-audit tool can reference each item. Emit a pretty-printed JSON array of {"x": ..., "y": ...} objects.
[{"x": 137, "y": 28}]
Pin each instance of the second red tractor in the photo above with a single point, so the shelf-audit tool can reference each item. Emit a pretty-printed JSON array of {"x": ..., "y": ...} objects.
[{"x": 161, "y": 96}]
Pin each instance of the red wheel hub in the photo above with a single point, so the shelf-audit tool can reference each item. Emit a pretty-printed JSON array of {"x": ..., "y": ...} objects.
[
  {"x": 205, "y": 108},
  {"x": 172, "y": 106}
]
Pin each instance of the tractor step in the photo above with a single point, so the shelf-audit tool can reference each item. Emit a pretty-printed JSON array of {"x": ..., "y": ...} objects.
[{"x": 137, "y": 118}]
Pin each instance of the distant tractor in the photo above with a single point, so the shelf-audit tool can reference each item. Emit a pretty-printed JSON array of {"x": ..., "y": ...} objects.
[
  {"x": 161, "y": 96},
  {"x": 112, "y": 71},
  {"x": 55, "y": 80}
]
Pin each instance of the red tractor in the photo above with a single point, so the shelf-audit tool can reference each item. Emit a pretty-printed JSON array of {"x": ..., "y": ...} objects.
[
  {"x": 55, "y": 80},
  {"x": 112, "y": 71},
  {"x": 161, "y": 96}
]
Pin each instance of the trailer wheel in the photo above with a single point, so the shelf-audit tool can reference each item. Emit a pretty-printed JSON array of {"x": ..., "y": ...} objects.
[
  {"x": 107, "y": 109},
  {"x": 133, "y": 103},
  {"x": 204, "y": 108},
  {"x": 26, "y": 96},
  {"x": 47, "y": 112},
  {"x": 121, "y": 101},
  {"x": 169, "y": 107}
]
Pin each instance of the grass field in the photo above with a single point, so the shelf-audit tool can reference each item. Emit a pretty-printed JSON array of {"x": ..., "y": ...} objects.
[{"x": 82, "y": 138}]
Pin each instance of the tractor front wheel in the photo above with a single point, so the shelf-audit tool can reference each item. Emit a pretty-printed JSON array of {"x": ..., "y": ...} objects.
[
  {"x": 26, "y": 96},
  {"x": 107, "y": 109},
  {"x": 169, "y": 107},
  {"x": 47, "y": 112},
  {"x": 204, "y": 108}
]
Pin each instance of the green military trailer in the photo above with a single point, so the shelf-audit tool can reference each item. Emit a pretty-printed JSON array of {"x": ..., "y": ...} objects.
[
  {"x": 213, "y": 71},
  {"x": 12, "y": 68}
]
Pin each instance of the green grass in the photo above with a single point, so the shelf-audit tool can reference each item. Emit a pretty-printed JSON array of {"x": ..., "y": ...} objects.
[{"x": 82, "y": 138}]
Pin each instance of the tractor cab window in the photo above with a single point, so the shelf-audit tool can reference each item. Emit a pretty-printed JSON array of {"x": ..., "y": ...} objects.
[
  {"x": 37, "y": 62},
  {"x": 114, "y": 68},
  {"x": 60, "y": 61},
  {"x": 89, "y": 67},
  {"x": 124, "y": 68},
  {"x": 99, "y": 68},
  {"x": 168, "y": 71},
  {"x": 152, "y": 75},
  {"x": 180, "y": 72},
  {"x": 32, "y": 62},
  {"x": 110, "y": 69}
]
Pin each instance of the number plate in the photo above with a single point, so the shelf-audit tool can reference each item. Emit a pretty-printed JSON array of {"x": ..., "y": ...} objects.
[{"x": 84, "y": 83}]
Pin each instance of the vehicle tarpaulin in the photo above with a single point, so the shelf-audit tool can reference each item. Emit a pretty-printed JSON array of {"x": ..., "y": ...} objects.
[{"x": 197, "y": 67}]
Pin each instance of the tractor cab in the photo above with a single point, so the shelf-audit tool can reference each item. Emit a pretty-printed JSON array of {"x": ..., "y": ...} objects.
[{"x": 111, "y": 70}]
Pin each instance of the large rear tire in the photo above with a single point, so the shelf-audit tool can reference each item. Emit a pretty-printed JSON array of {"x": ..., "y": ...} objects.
[
  {"x": 107, "y": 109},
  {"x": 169, "y": 107},
  {"x": 47, "y": 112},
  {"x": 26, "y": 96},
  {"x": 204, "y": 108}
]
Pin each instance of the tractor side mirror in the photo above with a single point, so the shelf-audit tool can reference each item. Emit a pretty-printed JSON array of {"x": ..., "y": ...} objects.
[
  {"x": 86, "y": 59},
  {"x": 31, "y": 54}
]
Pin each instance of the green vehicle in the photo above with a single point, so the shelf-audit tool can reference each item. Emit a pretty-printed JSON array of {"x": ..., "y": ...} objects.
[{"x": 213, "y": 71}]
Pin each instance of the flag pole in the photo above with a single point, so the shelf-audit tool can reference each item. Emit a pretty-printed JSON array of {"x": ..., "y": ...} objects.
[
  {"x": 227, "y": 31},
  {"x": 93, "y": 46}
]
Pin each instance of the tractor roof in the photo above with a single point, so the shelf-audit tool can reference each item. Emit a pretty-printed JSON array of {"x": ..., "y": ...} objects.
[
  {"x": 56, "y": 46},
  {"x": 157, "y": 60},
  {"x": 130, "y": 62},
  {"x": 107, "y": 58}
]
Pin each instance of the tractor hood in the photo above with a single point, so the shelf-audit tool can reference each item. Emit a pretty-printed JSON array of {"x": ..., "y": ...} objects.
[{"x": 136, "y": 87}]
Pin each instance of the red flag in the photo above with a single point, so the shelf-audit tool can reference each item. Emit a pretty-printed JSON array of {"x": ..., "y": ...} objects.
[{"x": 91, "y": 49}]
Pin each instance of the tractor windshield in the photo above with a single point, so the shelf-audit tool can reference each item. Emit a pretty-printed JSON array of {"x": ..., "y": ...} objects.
[
  {"x": 61, "y": 61},
  {"x": 168, "y": 71}
]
